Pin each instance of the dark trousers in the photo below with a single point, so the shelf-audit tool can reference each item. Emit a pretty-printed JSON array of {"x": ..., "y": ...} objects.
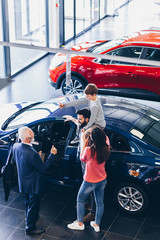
[{"x": 32, "y": 207}]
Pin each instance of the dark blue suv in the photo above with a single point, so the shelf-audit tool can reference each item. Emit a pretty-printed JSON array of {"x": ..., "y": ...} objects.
[{"x": 133, "y": 168}]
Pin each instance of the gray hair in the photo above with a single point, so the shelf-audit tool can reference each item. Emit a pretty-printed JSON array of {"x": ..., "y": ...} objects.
[{"x": 24, "y": 132}]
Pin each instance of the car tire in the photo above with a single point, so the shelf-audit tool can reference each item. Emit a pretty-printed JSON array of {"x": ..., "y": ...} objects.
[
  {"x": 131, "y": 198},
  {"x": 76, "y": 86}
]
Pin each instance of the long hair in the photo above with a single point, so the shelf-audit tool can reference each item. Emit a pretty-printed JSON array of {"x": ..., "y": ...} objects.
[{"x": 99, "y": 145}]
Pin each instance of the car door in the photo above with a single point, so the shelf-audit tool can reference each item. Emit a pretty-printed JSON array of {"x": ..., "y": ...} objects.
[
  {"x": 120, "y": 155},
  {"x": 117, "y": 74},
  {"x": 72, "y": 173},
  {"x": 5, "y": 144},
  {"x": 149, "y": 76}
]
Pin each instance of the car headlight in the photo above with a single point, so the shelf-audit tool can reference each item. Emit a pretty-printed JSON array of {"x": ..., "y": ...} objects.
[{"x": 57, "y": 61}]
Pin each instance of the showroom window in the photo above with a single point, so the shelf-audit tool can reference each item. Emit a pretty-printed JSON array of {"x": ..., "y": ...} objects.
[
  {"x": 83, "y": 15},
  {"x": 86, "y": 14},
  {"x": 27, "y": 25},
  {"x": 1, "y": 48},
  {"x": 69, "y": 18},
  {"x": 42, "y": 23}
]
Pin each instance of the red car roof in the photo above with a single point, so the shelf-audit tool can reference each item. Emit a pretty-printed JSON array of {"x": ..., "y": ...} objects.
[{"x": 145, "y": 37}]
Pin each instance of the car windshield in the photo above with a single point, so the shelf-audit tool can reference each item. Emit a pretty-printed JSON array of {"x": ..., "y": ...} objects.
[
  {"x": 35, "y": 113},
  {"x": 107, "y": 45},
  {"x": 148, "y": 128}
]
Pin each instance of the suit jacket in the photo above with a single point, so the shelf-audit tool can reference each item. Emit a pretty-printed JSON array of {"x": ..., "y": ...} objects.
[{"x": 30, "y": 168}]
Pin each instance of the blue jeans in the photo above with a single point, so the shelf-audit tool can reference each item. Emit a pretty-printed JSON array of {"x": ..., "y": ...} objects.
[{"x": 84, "y": 191}]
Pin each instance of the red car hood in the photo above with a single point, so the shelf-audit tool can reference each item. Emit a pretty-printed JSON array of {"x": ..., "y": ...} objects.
[{"x": 85, "y": 45}]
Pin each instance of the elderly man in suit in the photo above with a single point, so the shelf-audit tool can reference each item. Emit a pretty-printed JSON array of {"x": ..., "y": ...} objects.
[{"x": 31, "y": 171}]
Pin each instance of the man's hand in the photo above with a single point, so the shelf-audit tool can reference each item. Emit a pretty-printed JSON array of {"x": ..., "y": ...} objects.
[
  {"x": 83, "y": 130},
  {"x": 68, "y": 118},
  {"x": 40, "y": 154},
  {"x": 61, "y": 105},
  {"x": 53, "y": 150}
]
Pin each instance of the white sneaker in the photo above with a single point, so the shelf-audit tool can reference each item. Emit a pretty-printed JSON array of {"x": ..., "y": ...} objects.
[
  {"x": 75, "y": 226},
  {"x": 96, "y": 228}
]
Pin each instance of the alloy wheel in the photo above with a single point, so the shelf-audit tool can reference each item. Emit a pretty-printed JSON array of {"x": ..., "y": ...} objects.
[{"x": 130, "y": 199}]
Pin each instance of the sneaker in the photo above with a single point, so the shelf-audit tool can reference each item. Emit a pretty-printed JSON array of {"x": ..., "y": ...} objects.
[
  {"x": 75, "y": 226},
  {"x": 89, "y": 217},
  {"x": 75, "y": 140},
  {"x": 96, "y": 228}
]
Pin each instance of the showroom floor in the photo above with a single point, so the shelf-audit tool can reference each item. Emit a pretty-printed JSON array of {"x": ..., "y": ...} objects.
[
  {"x": 59, "y": 203},
  {"x": 58, "y": 208}
]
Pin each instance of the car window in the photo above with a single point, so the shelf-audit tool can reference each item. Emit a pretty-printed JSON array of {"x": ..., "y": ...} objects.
[
  {"x": 48, "y": 134},
  {"x": 131, "y": 52},
  {"x": 102, "y": 61},
  {"x": 148, "y": 129},
  {"x": 107, "y": 45},
  {"x": 152, "y": 54},
  {"x": 134, "y": 147},
  {"x": 117, "y": 141}
]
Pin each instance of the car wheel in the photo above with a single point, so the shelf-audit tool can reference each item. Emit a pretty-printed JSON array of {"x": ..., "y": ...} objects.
[
  {"x": 131, "y": 198},
  {"x": 76, "y": 86}
]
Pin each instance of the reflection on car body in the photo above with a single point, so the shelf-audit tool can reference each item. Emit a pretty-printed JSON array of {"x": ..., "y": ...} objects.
[{"x": 133, "y": 168}]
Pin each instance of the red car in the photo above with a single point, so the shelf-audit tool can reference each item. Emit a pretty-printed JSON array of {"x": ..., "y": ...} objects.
[{"x": 116, "y": 76}]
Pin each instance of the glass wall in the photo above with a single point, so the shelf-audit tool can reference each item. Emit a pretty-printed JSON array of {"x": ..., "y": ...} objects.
[
  {"x": 45, "y": 23},
  {"x": 103, "y": 8},
  {"x": 87, "y": 13},
  {"x": 27, "y": 21},
  {"x": 95, "y": 11},
  {"x": 1, "y": 48},
  {"x": 83, "y": 15},
  {"x": 69, "y": 18},
  {"x": 79, "y": 16},
  {"x": 27, "y": 25}
]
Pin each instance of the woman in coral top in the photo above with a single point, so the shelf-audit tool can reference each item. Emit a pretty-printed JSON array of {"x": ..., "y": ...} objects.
[{"x": 95, "y": 175}]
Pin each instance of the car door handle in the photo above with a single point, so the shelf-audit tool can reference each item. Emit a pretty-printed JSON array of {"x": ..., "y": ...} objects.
[{"x": 131, "y": 73}]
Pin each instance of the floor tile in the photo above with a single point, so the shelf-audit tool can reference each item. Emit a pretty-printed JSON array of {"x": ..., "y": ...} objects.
[
  {"x": 5, "y": 231},
  {"x": 18, "y": 203},
  {"x": 12, "y": 217},
  {"x": 125, "y": 227},
  {"x": 113, "y": 236},
  {"x": 68, "y": 214},
  {"x": 12, "y": 196},
  {"x": 20, "y": 234},
  {"x": 43, "y": 222},
  {"x": 137, "y": 218},
  {"x": 153, "y": 216},
  {"x": 149, "y": 232},
  {"x": 67, "y": 194},
  {"x": 107, "y": 221},
  {"x": 1, "y": 208},
  {"x": 88, "y": 234},
  {"x": 59, "y": 229},
  {"x": 46, "y": 237},
  {"x": 50, "y": 209}
]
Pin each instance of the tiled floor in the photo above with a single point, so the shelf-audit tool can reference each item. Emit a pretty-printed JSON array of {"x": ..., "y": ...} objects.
[
  {"x": 58, "y": 204},
  {"x": 58, "y": 208}
]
